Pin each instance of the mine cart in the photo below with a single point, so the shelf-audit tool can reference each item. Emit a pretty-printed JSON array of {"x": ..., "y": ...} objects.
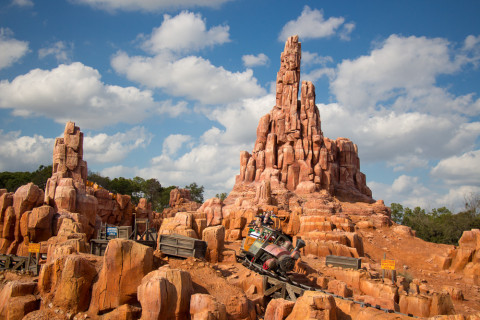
[{"x": 269, "y": 249}]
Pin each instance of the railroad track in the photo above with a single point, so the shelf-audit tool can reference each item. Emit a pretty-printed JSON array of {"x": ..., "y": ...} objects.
[{"x": 291, "y": 290}]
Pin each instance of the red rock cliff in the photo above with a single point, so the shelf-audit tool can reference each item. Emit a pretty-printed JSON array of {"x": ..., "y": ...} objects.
[{"x": 291, "y": 151}]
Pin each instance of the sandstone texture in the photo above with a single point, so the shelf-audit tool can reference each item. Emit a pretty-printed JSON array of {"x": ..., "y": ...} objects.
[{"x": 291, "y": 153}]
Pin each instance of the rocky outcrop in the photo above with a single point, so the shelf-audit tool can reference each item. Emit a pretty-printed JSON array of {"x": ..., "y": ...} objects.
[
  {"x": 180, "y": 201},
  {"x": 66, "y": 282},
  {"x": 291, "y": 153},
  {"x": 18, "y": 299},
  {"x": 165, "y": 294},
  {"x": 466, "y": 258},
  {"x": 66, "y": 189},
  {"x": 205, "y": 306},
  {"x": 124, "y": 266}
]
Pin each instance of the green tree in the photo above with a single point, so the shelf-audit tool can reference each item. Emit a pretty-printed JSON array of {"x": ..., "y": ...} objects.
[
  {"x": 196, "y": 192},
  {"x": 13, "y": 180},
  {"x": 102, "y": 181},
  {"x": 41, "y": 175},
  {"x": 153, "y": 191},
  {"x": 165, "y": 197},
  {"x": 397, "y": 212},
  {"x": 222, "y": 196}
]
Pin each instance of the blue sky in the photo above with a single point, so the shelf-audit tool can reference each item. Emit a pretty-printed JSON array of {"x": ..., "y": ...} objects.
[{"x": 174, "y": 89}]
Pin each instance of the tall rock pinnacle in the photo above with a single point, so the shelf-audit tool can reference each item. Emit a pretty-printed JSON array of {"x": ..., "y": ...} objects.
[{"x": 290, "y": 150}]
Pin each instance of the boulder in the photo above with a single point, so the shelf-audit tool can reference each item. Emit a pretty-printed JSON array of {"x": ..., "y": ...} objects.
[
  {"x": 73, "y": 291},
  {"x": 314, "y": 305},
  {"x": 215, "y": 238},
  {"x": 165, "y": 293},
  {"x": 40, "y": 223},
  {"x": 278, "y": 309},
  {"x": 17, "y": 299},
  {"x": 125, "y": 263},
  {"x": 206, "y": 307}
]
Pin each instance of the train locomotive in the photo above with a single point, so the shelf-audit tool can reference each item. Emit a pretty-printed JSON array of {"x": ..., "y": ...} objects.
[{"x": 269, "y": 250}]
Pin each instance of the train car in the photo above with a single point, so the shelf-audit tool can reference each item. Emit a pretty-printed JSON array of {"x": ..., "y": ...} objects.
[{"x": 268, "y": 249}]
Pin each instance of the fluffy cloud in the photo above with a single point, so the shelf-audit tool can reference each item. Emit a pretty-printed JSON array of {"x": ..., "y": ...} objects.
[
  {"x": 460, "y": 170},
  {"x": 148, "y": 5},
  {"x": 406, "y": 190},
  {"x": 60, "y": 50},
  {"x": 185, "y": 32},
  {"x": 23, "y": 3},
  {"x": 312, "y": 24},
  {"x": 102, "y": 148},
  {"x": 173, "y": 110},
  {"x": 411, "y": 192},
  {"x": 251, "y": 60},
  {"x": 312, "y": 58},
  {"x": 23, "y": 153},
  {"x": 74, "y": 91},
  {"x": 11, "y": 50},
  {"x": 174, "y": 142},
  {"x": 192, "y": 77},
  {"x": 402, "y": 70},
  {"x": 212, "y": 159}
]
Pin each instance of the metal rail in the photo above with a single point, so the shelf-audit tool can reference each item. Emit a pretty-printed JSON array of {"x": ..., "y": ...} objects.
[{"x": 291, "y": 290}]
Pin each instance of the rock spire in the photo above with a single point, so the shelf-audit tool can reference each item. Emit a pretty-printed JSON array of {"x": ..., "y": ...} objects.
[{"x": 290, "y": 150}]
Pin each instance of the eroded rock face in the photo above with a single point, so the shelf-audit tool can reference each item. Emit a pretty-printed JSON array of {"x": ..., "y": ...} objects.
[
  {"x": 290, "y": 150},
  {"x": 165, "y": 294},
  {"x": 314, "y": 305},
  {"x": 125, "y": 264},
  {"x": 205, "y": 306},
  {"x": 18, "y": 299}
]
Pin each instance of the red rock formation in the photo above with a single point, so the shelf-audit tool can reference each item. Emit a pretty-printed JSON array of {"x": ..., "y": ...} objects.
[
  {"x": 165, "y": 294},
  {"x": 291, "y": 152},
  {"x": 66, "y": 189},
  {"x": 125, "y": 264},
  {"x": 17, "y": 299},
  {"x": 180, "y": 201},
  {"x": 205, "y": 306}
]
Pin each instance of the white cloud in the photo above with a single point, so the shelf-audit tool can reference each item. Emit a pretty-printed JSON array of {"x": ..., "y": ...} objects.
[
  {"x": 148, "y": 5},
  {"x": 174, "y": 142},
  {"x": 74, "y": 92},
  {"x": 346, "y": 30},
  {"x": 11, "y": 50},
  {"x": 404, "y": 140},
  {"x": 411, "y": 192},
  {"x": 407, "y": 190},
  {"x": 102, "y": 148},
  {"x": 311, "y": 58},
  {"x": 251, "y": 60},
  {"x": 460, "y": 170},
  {"x": 173, "y": 110},
  {"x": 401, "y": 73},
  {"x": 23, "y": 3},
  {"x": 24, "y": 153},
  {"x": 211, "y": 160},
  {"x": 471, "y": 51},
  {"x": 185, "y": 32},
  {"x": 192, "y": 77},
  {"x": 311, "y": 24},
  {"x": 60, "y": 50}
]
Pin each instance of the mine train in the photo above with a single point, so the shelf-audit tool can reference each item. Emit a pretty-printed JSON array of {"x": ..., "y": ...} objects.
[{"x": 268, "y": 249}]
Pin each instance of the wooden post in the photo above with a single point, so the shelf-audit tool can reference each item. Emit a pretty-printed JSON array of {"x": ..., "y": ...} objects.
[{"x": 383, "y": 270}]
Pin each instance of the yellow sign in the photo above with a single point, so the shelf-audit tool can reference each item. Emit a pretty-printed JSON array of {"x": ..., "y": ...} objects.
[
  {"x": 388, "y": 264},
  {"x": 34, "y": 247}
]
